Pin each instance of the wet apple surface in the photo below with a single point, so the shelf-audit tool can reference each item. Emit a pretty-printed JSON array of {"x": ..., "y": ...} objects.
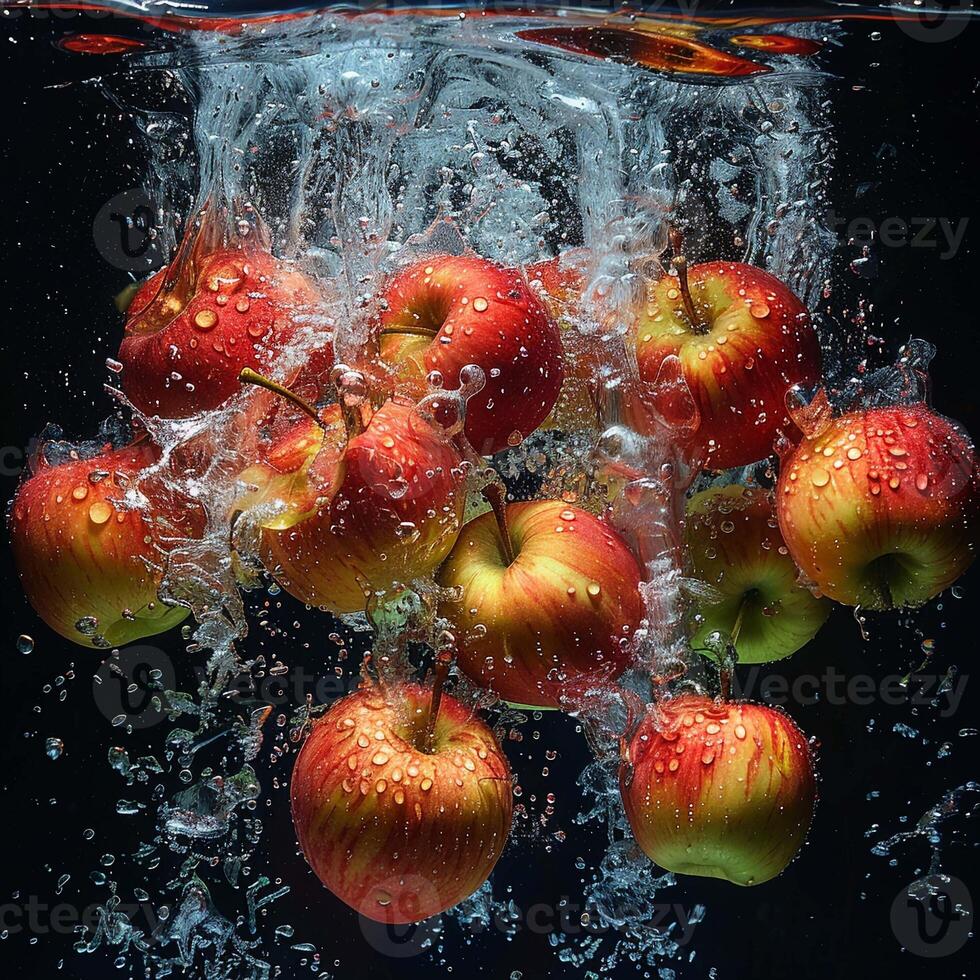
[
  {"x": 724, "y": 790},
  {"x": 755, "y": 596},
  {"x": 191, "y": 328},
  {"x": 90, "y": 564},
  {"x": 549, "y": 614},
  {"x": 879, "y": 508},
  {"x": 445, "y": 312},
  {"x": 744, "y": 340},
  {"x": 399, "y": 817}
]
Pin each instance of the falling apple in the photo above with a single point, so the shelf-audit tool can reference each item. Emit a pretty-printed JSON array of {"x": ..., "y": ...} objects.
[
  {"x": 193, "y": 326},
  {"x": 348, "y": 507},
  {"x": 90, "y": 564},
  {"x": 547, "y": 602},
  {"x": 719, "y": 789},
  {"x": 743, "y": 339},
  {"x": 402, "y": 801},
  {"x": 879, "y": 509},
  {"x": 446, "y": 312},
  {"x": 754, "y": 596}
]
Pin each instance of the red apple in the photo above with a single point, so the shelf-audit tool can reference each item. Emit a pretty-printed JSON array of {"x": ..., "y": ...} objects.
[
  {"x": 344, "y": 515},
  {"x": 193, "y": 326},
  {"x": 734, "y": 546},
  {"x": 743, "y": 339},
  {"x": 445, "y": 312},
  {"x": 718, "y": 789},
  {"x": 547, "y": 604},
  {"x": 879, "y": 510},
  {"x": 90, "y": 566},
  {"x": 399, "y": 819}
]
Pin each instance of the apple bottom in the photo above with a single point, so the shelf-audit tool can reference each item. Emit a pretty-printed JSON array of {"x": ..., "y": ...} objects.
[
  {"x": 719, "y": 790},
  {"x": 398, "y": 833}
]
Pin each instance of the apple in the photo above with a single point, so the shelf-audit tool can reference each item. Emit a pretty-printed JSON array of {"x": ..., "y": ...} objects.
[
  {"x": 743, "y": 339},
  {"x": 347, "y": 509},
  {"x": 734, "y": 546},
  {"x": 402, "y": 801},
  {"x": 879, "y": 510},
  {"x": 194, "y": 325},
  {"x": 446, "y": 312},
  {"x": 90, "y": 566},
  {"x": 718, "y": 789},
  {"x": 547, "y": 601}
]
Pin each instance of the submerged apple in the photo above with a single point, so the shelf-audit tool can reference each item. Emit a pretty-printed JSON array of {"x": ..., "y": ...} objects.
[
  {"x": 402, "y": 801},
  {"x": 91, "y": 566},
  {"x": 196, "y": 324},
  {"x": 879, "y": 509},
  {"x": 347, "y": 510},
  {"x": 743, "y": 339},
  {"x": 548, "y": 602},
  {"x": 718, "y": 789},
  {"x": 735, "y": 547},
  {"x": 446, "y": 312}
]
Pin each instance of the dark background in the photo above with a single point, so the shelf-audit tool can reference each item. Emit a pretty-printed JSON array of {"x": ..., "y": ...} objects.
[{"x": 906, "y": 116}]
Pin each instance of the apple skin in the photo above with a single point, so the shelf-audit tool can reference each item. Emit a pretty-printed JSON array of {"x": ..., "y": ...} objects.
[
  {"x": 557, "y": 621},
  {"x": 335, "y": 514},
  {"x": 460, "y": 310},
  {"x": 879, "y": 510},
  {"x": 760, "y": 344},
  {"x": 734, "y": 545},
  {"x": 397, "y": 833},
  {"x": 226, "y": 310},
  {"x": 80, "y": 556},
  {"x": 718, "y": 789}
]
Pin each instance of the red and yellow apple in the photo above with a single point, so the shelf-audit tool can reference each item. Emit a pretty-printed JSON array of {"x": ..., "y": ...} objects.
[
  {"x": 90, "y": 566},
  {"x": 546, "y": 605},
  {"x": 344, "y": 515},
  {"x": 743, "y": 340},
  {"x": 718, "y": 789},
  {"x": 194, "y": 325},
  {"x": 734, "y": 546},
  {"x": 446, "y": 312},
  {"x": 399, "y": 819},
  {"x": 879, "y": 510}
]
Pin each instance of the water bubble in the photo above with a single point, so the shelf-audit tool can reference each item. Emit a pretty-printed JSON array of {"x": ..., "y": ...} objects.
[
  {"x": 53, "y": 748},
  {"x": 25, "y": 644}
]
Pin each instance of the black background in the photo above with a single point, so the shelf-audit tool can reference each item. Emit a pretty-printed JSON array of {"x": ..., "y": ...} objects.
[{"x": 904, "y": 131}]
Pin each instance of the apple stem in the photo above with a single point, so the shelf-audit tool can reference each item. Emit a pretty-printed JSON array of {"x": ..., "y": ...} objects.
[
  {"x": 725, "y": 680},
  {"x": 440, "y": 673},
  {"x": 679, "y": 261},
  {"x": 353, "y": 420},
  {"x": 494, "y": 496},
  {"x": 250, "y": 377}
]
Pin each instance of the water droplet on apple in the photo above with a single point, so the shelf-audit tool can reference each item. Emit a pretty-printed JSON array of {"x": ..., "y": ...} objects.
[
  {"x": 87, "y": 625},
  {"x": 205, "y": 319},
  {"x": 100, "y": 512}
]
